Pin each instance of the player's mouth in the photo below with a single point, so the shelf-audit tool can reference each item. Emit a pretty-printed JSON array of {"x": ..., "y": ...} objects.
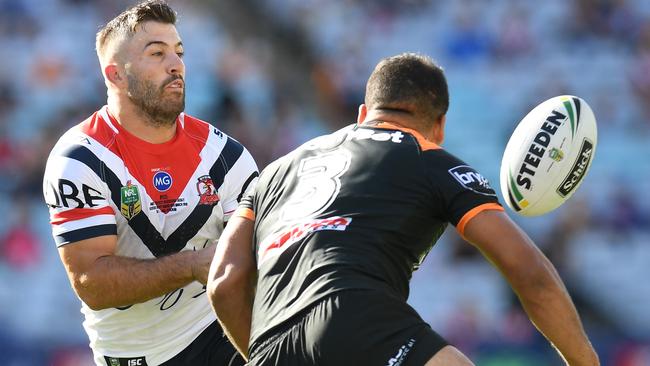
[{"x": 176, "y": 84}]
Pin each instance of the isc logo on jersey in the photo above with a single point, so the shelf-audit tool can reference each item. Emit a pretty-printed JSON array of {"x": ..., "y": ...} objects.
[
  {"x": 162, "y": 181},
  {"x": 139, "y": 361},
  {"x": 472, "y": 180}
]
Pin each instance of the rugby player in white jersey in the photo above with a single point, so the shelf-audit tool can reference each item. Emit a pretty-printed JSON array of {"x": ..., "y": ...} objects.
[{"x": 139, "y": 193}]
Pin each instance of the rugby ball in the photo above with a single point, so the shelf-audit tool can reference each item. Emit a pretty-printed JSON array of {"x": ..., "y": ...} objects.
[{"x": 548, "y": 155}]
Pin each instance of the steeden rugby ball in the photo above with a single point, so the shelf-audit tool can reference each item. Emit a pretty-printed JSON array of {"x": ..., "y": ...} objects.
[{"x": 548, "y": 155}]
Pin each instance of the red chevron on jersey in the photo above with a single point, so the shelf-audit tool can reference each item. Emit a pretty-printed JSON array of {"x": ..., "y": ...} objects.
[{"x": 162, "y": 170}]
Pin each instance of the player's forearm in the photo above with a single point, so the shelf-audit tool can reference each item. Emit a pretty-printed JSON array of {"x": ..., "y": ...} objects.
[
  {"x": 115, "y": 281},
  {"x": 234, "y": 311},
  {"x": 231, "y": 282},
  {"x": 550, "y": 308}
]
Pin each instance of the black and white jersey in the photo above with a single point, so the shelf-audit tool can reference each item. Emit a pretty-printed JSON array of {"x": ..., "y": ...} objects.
[{"x": 357, "y": 209}]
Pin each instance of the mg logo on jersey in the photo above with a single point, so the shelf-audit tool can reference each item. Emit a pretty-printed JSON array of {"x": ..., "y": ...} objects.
[
  {"x": 162, "y": 181},
  {"x": 472, "y": 180}
]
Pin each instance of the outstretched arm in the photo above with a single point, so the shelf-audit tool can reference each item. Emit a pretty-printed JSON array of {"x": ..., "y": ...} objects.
[
  {"x": 536, "y": 282},
  {"x": 231, "y": 282},
  {"x": 103, "y": 280}
]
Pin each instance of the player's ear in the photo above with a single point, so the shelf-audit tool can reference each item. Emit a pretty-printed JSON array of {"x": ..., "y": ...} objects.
[
  {"x": 363, "y": 112},
  {"x": 113, "y": 74}
]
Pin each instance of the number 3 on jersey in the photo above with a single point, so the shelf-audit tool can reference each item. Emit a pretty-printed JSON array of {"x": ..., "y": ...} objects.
[{"x": 318, "y": 184}]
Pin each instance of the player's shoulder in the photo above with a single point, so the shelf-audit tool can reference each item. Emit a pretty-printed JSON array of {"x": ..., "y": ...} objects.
[
  {"x": 324, "y": 142},
  {"x": 209, "y": 134},
  {"x": 448, "y": 169},
  {"x": 91, "y": 133},
  {"x": 441, "y": 162},
  {"x": 442, "y": 158}
]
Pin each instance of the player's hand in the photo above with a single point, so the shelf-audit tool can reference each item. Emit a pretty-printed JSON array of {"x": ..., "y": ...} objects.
[{"x": 202, "y": 262}]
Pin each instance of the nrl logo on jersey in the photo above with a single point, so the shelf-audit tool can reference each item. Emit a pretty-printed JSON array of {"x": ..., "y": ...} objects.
[
  {"x": 207, "y": 193},
  {"x": 130, "y": 204}
]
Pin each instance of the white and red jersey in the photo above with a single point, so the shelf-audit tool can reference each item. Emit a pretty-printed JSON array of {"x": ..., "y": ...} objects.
[{"x": 158, "y": 199}]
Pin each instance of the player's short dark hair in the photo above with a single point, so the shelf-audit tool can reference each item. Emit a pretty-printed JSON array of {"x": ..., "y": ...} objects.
[
  {"x": 126, "y": 23},
  {"x": 408, "y": 82}
]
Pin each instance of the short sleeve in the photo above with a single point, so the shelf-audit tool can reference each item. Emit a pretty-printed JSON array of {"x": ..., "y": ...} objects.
[
  {"x": 78, "y": 200},
  {"x": 465, "y": 192},
  {"x": 246, "y": 208},
  {"x": 240, "y": 178}
]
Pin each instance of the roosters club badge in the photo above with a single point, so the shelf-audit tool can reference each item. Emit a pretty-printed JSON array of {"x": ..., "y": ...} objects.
[{"x": 207, "y": 191}]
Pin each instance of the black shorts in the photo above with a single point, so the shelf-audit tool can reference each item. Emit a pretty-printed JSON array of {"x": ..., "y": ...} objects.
[
  {"x": 354, "y": 327},
  {"x": 210, "y": 348}
]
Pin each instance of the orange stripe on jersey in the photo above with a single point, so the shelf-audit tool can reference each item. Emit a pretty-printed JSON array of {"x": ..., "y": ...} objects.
[
  {"x": 246, "y": 213},
  {"x": 473, "y": 212},
  {"x": 78, "y": 214},
  {"x": 424, "y": 143}
]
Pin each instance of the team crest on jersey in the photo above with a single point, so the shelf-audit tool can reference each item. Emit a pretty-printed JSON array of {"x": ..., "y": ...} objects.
[
  {"x": 130, "y": 204},
  {"x": 207, "y": 193}
]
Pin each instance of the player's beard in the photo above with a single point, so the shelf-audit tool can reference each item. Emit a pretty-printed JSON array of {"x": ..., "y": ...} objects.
[{"x": 158, "y": 109}]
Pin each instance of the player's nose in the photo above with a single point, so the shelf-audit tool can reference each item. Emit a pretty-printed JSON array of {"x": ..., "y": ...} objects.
[{"x": 176, "y": 65}]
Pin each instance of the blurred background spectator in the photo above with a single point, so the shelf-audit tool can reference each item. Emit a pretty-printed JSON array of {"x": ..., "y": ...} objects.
[{"x": 274, "y": 73}]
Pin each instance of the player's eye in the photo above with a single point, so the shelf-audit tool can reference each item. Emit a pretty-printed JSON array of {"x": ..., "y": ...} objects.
[
  {"x": 157, "y": 54},
  {"x": 180, "y": 54}
]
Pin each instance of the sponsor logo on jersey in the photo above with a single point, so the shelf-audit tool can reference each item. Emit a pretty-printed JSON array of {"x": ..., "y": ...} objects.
[
  {"x": 162, "y": 181},
  {"x": 578, "y": 170},
  {"x": 402, "y": 352},
  {"x": 538, "y": 148},
  {"x": 207, "y": 192},
  {"x": 472, "y": 180},
  {"x": 130, "y": 204},
  {"x": 301, "y": 230},
  {"x": 66, "y": 194},
  {"x": 364, "y": 134},
  {"x": 133, "y": 361}
]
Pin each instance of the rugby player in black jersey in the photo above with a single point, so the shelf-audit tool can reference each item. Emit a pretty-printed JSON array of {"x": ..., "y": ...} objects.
[{"x": 315, "y": 268}]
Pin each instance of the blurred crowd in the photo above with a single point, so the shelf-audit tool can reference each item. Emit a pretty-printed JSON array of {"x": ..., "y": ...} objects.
[{"x": 274, "y": 73}]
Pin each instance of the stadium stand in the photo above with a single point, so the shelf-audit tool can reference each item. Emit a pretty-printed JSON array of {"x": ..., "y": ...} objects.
[{"x": 273, "y": 92}]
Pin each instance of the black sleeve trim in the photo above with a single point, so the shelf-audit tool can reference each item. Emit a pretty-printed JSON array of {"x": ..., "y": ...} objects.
[{"x": 85, "y": 233}]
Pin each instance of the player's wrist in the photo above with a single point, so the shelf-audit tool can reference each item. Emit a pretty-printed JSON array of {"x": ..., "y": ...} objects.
[{"x": 588, "y": 358}]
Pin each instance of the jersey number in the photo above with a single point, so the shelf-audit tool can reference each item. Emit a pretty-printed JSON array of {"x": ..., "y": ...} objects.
[{"x": 318, "y": 184}]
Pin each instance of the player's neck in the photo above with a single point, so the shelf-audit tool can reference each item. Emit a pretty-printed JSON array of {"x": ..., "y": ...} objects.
[
  {"x": 402, "y": 119},
  {"x": 132, "y": 119}
]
